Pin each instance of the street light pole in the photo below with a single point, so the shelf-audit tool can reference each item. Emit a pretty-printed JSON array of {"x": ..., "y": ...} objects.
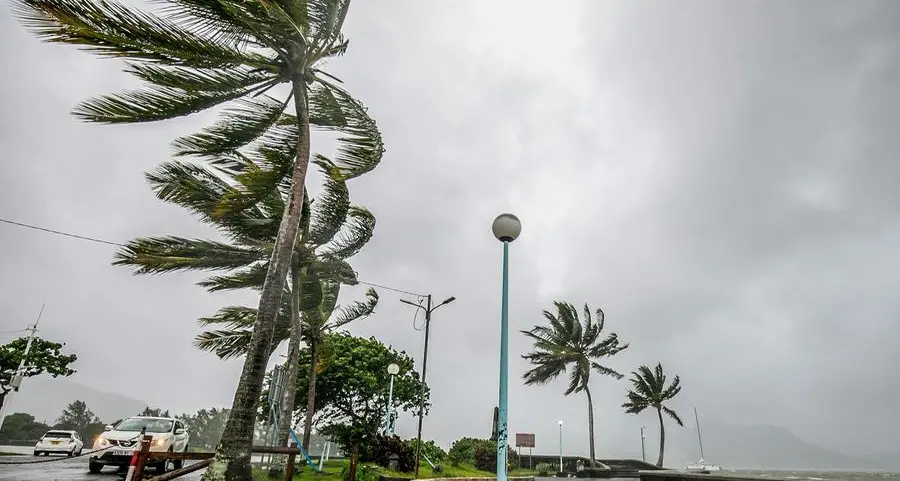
[
  {"x": 560, "y": 447},
  {"x": 506, "y": 228},
  {"x": 393, "y": 369},
  {"x": 643, "y": 453},
  {"x": 428, "y": 310}
]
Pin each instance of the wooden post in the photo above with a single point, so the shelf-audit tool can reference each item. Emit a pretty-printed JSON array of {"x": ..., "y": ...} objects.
[
  {"x": 146, "y": 442},
  {"x": 292, "y": 457}
]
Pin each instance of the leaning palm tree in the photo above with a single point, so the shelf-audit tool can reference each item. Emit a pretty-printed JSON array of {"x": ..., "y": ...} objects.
[
  {"x": 568, "y": 343},
  {"x": 649, "y": 390},
  {"x": 198, "y": 54},
  {"x": 331, "y": 231}
]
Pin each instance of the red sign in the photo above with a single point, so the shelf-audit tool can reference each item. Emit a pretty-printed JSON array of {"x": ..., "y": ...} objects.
[{"x": 524, "y": 440}]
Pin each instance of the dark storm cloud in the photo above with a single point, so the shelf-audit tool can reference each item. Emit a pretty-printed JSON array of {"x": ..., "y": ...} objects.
[{"x": 719, "y": 178}]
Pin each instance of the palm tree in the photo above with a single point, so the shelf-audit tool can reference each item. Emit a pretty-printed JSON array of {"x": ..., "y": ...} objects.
[
  {"x": 568, "y": 343},
  {"x": 331, "y": 230},
  {"x": 198, "y": 54},
  {"x": 649, "y": 390}
]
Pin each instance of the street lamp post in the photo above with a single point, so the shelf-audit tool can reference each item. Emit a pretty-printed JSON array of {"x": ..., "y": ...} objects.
[
  {"x": 428, "y": 310},
  {"x": 506, "y": 228},
  {"x": 560, "y": 447},
  {"x": 643, "y": 453},
  {"x": 392, "y": 369}
]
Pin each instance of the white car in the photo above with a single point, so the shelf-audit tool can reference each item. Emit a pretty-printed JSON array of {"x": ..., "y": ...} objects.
[
  {"x": 59, "y": 441},
  {"x": 116, "y": 444}
]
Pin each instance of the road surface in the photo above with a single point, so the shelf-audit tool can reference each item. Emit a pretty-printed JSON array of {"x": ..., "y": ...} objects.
[{"x": 58, "y": 468}]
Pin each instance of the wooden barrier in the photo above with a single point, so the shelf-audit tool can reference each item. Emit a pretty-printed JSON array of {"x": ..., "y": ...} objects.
[{"x": 145, "y": 456}]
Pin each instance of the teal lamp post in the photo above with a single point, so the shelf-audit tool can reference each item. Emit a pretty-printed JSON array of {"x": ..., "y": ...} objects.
[
  {"x": 506, "y": 229},
  {"x": 393, "y": 370}
]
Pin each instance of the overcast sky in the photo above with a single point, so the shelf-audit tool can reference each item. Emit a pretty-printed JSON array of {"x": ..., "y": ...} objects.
[{"x": 719, "y": 177}]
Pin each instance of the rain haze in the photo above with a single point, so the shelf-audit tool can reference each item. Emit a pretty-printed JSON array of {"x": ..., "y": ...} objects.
[{"x": 719, "y": 177}]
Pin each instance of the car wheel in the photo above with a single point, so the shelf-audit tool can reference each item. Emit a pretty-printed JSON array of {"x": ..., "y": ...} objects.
[
  {"x": 179, "y": 463},
  {"x": 79, "y": 452},
  {"x": 36, "y": 454},
  {"x": 94, "y": 467}
]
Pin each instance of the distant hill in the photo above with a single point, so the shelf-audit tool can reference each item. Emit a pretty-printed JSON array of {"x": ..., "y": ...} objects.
[
  {"x": 756, "y": 447},
  {"x": 45, "y": 398}
]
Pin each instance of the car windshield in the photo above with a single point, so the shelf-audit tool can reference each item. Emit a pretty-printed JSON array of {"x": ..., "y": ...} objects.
[
  {"x": 153, "y": 425},
  {"x": 58, "y": 435}
]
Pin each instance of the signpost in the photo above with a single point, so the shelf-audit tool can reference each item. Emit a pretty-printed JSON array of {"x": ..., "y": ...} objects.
[{"x": 525, "y": 440}]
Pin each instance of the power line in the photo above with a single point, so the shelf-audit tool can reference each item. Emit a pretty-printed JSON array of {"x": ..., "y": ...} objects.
[
  {"x": 92, "y": 239},
  {"x": 392, "y": 289},
  {"x": 102, "y": 241}
]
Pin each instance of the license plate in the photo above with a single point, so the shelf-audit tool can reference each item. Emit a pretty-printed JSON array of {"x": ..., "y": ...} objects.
[
  {"x": 54, "y": 442},
  {"x": 122, "y": 452}
]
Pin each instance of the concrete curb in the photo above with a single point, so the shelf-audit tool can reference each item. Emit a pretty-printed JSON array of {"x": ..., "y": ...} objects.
[{"x": 511, "y": 478}]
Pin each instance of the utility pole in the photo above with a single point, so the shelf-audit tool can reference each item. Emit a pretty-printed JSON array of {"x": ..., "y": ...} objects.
[
  {"x": 428, "y": 310},
  {"x": 17, "y": 377}
]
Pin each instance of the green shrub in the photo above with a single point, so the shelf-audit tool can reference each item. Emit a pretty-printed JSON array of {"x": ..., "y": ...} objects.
[
  {"x": 463, "y": 450},
  {"x": 380, "y": 449},
  {"x": 364, "y": 472},
  {"x": 431, "y": 450},
  {"x": 486, "y": 457},
  {"x": 544, "y": 469}
]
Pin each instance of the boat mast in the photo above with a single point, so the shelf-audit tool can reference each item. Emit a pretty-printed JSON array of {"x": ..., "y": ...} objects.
[{"x": 699, "y": 439}]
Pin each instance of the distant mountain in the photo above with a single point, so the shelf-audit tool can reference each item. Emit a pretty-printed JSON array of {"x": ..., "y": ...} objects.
[
  {"x": 45, "y": 398},
  {"x": 757, "y": 447}
]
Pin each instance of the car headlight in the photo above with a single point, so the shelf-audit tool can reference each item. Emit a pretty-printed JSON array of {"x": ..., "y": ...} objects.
[
  {"x": 102, "y": 441},
  {"x": 160, "y": 441}
]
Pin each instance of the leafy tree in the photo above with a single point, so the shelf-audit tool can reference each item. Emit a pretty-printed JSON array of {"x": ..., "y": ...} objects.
[
  {"x": 77, "y": 417},
  {"x": 205, "y": 427},
  {"x": 649, "y": 390},
  {"x": 44, "y": 357},
  {"x": 21, "y": 427},
  {"x": 154, "y": 412},
  {"x": 568, "y": 343},
  {"x": 197, "y": 54},
  {"x": 353, "y": 388}
]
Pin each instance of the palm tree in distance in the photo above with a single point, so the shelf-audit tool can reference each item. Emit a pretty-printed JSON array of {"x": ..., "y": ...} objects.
[
  {"x": 649, "y": 390},
  {"x": 570, "y": 344},
  {"x": 197, "y": 54},
  {"x": 201, "y": 53}
]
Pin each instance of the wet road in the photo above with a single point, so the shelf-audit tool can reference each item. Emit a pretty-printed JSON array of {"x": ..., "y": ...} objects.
[{"x": 60, "y": 468}]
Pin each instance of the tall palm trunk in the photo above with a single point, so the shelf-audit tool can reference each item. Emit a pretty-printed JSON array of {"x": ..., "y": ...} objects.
[
  {"x": 311, "y": 390},
  {"x": 591, "y": 425},
  {"x": 293, "y": 357},
  {"x": 232, "y": 460},
  {"x": 662, "y": 437}
]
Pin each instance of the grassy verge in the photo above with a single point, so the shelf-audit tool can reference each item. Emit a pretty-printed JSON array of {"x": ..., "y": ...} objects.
[{"x": 333, "y": 471}]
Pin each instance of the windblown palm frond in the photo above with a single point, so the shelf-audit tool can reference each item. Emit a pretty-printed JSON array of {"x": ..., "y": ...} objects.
[
  {"x": 649, "y": 389},
  {"x": 568, "y": 343},
  {"x": 236, "y": 322}
]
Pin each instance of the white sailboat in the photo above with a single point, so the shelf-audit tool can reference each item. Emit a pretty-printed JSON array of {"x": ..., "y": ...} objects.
[{"x": 701, "y": 466}]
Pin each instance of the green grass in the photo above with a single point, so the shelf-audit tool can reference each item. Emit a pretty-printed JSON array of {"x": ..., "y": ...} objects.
[{"x": 334, "y": 468}]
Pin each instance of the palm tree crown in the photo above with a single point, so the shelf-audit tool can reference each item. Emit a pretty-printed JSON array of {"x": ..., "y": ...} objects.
[
  {"x": 568, "y": 342},
  {"x": 649, "y": 390}
]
